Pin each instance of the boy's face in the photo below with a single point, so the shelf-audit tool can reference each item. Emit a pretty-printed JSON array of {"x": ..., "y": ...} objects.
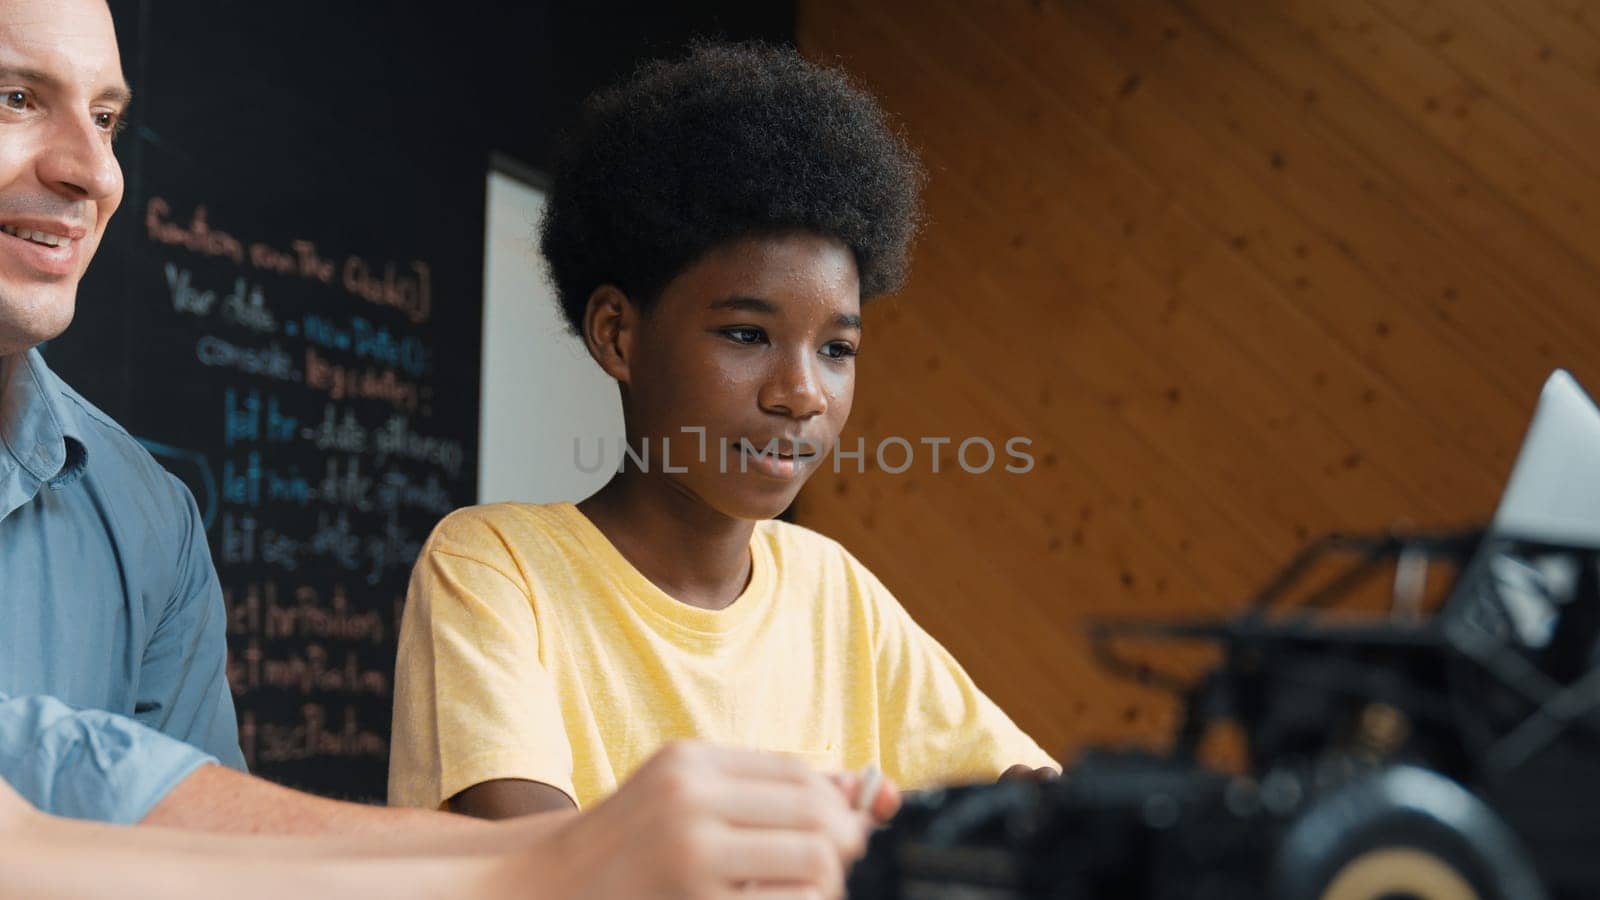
[
  {"x": 756, "y": 344},
  {"x": 62, "y": 96}
]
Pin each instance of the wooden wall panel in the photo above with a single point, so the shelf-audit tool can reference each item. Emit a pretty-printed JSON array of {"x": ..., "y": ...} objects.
[{"x": 1244, "y": 271}]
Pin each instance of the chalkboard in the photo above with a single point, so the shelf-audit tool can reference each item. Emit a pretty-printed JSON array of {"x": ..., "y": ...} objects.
[{"x": 287, "y": 313}]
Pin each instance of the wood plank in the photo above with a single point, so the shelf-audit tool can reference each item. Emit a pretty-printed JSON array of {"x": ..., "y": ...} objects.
[
  {"x": 1484, "y": 49},
  {"x": 1432, "y": 180},
  {"x": 1238, "y": 200},
  {"x": 1500, "y": 148}
]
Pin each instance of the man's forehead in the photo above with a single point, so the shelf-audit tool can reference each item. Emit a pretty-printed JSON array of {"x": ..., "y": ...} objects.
[{"x": 70, "y": 41}]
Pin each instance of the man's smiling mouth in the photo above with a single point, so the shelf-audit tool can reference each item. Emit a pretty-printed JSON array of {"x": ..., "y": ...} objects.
[{"x": 38, "y": 237}]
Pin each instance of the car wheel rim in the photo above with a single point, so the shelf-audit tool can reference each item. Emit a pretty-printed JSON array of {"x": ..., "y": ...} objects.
[{"x": 1394, "y": 873}]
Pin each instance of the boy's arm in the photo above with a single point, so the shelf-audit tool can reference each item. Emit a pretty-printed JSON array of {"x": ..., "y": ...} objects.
[
  {"x": 505, "y": 798},
  {"x": 1024, "y": 772}
]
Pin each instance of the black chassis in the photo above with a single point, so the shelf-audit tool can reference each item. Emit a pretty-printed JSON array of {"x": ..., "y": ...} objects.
[{"x": 1496, "y": 694}]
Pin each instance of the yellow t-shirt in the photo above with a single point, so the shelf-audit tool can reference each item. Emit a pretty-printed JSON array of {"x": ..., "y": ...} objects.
[{"x": 531, "y": 648}]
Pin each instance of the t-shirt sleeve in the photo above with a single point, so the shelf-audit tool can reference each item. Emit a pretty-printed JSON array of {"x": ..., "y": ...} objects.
[
  {"x": 938, "y": 728},
  {"x": 473, "y": 701},
  {"x": 88, "y": 763}
]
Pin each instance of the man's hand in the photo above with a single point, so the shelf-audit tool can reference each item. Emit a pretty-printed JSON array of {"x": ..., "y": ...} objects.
[{"x": 701, "y": 822}]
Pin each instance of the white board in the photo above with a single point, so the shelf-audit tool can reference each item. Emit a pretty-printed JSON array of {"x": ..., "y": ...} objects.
[{"x": 541, "y": 391}]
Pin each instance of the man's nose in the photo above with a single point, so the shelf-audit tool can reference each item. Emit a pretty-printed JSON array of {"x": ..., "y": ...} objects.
[{"x": 78, "y": 162}]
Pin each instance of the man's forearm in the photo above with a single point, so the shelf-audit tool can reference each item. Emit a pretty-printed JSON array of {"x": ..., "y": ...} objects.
[
  {"x": 41, "y": 868},
  {"x": 219, "y": 800}
]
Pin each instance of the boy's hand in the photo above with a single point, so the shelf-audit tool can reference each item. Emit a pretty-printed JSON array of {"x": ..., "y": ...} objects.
[
  {"x": 879, "y": 808},
  {"x": 1028, "y": 773}
]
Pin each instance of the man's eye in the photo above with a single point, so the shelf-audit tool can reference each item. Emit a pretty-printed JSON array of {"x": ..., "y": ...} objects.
[
  {"x": 108, "y": 121},
  {"x": 744, "y": 335},
  {"x": 838, "y": 350},
  {"x": 14, "y": 100}
]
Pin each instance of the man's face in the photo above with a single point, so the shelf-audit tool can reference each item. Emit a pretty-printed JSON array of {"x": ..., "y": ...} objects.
[
  {"x": 62, "y": 97},
  {"x": 756, "y": 344}
]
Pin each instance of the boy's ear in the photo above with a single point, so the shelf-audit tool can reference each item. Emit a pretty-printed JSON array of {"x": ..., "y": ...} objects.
[{"x": 609, "y": 323}]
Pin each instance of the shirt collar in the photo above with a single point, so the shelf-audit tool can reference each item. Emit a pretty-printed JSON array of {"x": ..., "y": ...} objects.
[{"x": 41, "y": 436}]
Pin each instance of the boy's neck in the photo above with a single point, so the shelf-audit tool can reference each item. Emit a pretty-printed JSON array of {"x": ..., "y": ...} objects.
[{"x": 694, "y": 554}]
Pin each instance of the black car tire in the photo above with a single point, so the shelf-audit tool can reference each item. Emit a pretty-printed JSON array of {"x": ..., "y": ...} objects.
[{"x": 1405, "y": 833}]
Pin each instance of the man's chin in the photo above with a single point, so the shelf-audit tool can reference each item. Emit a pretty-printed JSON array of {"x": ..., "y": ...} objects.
[{"x": 23, "y": 326}]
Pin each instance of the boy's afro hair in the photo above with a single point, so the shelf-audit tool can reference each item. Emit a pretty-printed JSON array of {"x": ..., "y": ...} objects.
[{"x": 729, "y": 142}]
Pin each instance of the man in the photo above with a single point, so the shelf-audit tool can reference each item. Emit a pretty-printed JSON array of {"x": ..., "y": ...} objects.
[{"x": 113, "y": 700}]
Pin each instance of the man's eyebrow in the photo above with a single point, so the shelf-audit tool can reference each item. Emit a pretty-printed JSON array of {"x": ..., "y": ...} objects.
[
  {"x": 119, "y": 94},
  {"x": 23, "y": 73},
  {"x": 848, "y": 320},
  {"x": 745, "y": 304}
]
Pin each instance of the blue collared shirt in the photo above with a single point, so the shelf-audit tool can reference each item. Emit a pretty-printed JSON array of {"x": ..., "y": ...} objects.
[{"x": 109, "y": 603}]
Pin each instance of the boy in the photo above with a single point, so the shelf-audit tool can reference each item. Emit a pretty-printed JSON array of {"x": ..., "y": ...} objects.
[{"x": 712, "y": 229}]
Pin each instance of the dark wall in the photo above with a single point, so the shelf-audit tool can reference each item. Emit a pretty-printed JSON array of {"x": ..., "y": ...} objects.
[{"x": 287, "y": 309}]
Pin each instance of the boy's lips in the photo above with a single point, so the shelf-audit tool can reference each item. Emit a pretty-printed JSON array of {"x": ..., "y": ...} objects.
[{"x": 779, "y": 457}]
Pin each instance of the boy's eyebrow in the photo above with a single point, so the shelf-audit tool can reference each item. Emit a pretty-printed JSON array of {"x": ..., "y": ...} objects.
[
  {"x": 756, "y": 304},
  {"x": 118, "y": 94},
  {"x": 745, "y": 304}
]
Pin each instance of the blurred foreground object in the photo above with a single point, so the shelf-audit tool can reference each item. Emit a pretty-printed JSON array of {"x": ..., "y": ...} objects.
[{"x": 1451, "y": 754}]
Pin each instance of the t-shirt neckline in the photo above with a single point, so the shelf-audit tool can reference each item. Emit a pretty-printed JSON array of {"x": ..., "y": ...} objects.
[{"x": 755, "y": 597}]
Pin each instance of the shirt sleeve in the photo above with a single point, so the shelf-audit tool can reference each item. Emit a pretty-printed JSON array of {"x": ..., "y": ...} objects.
[
  {"x": 88, "y": 763},
  {"x": 183, "y": 679},
  {"x": 938, "y": 727},
  {"x": 473, "y": 701}
]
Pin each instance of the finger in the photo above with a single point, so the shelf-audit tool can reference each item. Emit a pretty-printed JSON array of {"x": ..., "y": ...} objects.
[
  {"x": 887, "y": 803},
  {"x": 777, "y": 804},
  {"x": 881, "y": 807},
  {"x": 816, "y": 809},
  {"x": 752, "y": 764},
  {"x": 848, "y": 783},
  {"x": 784, "y": 857},
  {"x": 783, "y": 892}
]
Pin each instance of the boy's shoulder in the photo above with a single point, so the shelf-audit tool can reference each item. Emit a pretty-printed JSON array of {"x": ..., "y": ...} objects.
[
  {"x": 503, "y": 526},
  {"x": 798, "y": 551},
  {"x": 799, "y": 541}
]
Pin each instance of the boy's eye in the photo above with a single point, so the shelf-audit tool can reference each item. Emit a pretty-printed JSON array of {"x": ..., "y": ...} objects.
[
  {"x": 838, "y": 350},
  {"x": 744, "y": 335}
]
